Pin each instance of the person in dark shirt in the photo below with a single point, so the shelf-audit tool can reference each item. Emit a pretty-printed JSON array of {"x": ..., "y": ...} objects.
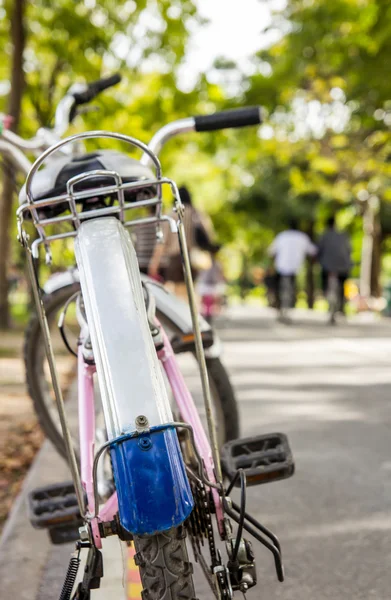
[{"x": 334, "y": 252}]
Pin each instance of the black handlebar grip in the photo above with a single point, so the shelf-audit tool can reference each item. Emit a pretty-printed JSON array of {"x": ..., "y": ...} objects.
[
  {"x": 106, "y": 82},
  {"x": 95, "y": 88},
  {"x": 229, "y": 119}
]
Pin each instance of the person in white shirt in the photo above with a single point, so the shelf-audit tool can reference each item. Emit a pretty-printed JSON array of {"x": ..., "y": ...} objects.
[{"x": 289, "y": 249}]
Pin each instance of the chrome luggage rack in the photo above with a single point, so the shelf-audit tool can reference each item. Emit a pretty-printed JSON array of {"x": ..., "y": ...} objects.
[
  {"x": 75, "y": 218},
  {"x": 77, "y": 214}
]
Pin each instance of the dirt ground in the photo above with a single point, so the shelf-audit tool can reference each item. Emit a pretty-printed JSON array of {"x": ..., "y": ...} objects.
[{"x": 20, "y": 435}]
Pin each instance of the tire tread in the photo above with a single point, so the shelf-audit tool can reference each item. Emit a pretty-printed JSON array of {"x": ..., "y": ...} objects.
[{"x": 166, "y": 572}]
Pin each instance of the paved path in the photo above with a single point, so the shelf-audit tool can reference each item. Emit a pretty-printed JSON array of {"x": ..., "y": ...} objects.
[{"x": 329, "y": 390}]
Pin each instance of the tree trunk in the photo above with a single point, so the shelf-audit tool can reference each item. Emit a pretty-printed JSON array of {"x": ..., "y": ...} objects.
[
  {"x": 366, "y": 253},
  {"x": 18, "y": 38},
  {"x": 371, "y": 249}
]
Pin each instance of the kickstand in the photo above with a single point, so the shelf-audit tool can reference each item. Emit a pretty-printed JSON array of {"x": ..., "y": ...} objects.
[
  {"x": 253, "y": 531},
  {"x": 257, "y": 530},
  {"x": 93, "y": 572}
]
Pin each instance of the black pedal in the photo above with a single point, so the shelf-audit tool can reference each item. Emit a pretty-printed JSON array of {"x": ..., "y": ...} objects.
[
  {"x": 55, "y": 508},
  {"x": 263, "y": 458},
  {"x": 186, "y": 342}
]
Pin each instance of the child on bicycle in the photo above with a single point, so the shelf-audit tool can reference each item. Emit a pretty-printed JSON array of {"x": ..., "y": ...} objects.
[{"x": 211, "y": 286}]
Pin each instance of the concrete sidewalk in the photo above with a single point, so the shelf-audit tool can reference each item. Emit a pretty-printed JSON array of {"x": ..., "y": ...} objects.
[{"x": 329, "y": 389}]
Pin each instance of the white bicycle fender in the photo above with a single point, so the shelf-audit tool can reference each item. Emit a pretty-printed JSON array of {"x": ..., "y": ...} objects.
[
  {"x": 149, "y": 473},
  {"x": 174, "y": 311},
  {"x": 129, "y": 374}
]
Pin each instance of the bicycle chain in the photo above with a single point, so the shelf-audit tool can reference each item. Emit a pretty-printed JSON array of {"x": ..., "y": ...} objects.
[
  {"x": 201, "y": 529},
  {"x": 200, "y": 521}
]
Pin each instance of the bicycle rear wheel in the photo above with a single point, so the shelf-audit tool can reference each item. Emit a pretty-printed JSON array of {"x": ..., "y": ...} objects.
[{"x": 165, "y": 570}]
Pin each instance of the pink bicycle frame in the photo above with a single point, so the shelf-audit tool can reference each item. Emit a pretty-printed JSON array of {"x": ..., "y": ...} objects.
[{"x": 189, "y": 414}]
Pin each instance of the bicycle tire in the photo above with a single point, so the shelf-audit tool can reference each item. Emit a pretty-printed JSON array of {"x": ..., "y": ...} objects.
[
  {"x": 219, "y": 379},
  {"x": 218, "y": 376},
  {"x": 165, "y": 569},
  {"x": 52, "y": 302}
]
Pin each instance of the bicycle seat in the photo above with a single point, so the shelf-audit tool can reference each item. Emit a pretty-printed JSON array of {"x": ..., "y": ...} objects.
[{"x": 52, "y": 179}]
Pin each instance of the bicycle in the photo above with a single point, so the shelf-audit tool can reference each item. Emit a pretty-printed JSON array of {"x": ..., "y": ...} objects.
[
  {"x": 60, "y": 287},
  {"x": 211, "y": 288},
  {"x": 167, "y": 477}
]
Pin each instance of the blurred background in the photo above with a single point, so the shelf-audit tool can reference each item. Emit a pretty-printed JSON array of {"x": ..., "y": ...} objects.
[{"x": 319, "y": 69}]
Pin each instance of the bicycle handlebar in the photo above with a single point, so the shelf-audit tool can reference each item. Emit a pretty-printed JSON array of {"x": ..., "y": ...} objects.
[
  {"x": 81, "y": 94},
  {"x": 13, "y": 146},
  {"x": 226, "y": 119},
  {"x": 77, "y": 95},
  {"x": 15, "y": 156},
  {"x": 229, "y": 119},
  {"x": 94, "y": 88}
]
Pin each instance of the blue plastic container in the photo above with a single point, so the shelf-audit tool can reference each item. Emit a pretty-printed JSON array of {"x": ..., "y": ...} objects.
[{"x": 153, "y": 490}]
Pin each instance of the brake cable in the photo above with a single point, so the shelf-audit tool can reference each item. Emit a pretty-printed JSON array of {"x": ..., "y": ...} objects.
[{"x": 61, "y": 323}]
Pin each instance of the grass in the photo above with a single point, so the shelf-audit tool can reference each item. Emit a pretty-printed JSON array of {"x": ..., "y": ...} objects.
[
  {"x": 19, "y": 311},
  {"x": 7, "y": 352}
]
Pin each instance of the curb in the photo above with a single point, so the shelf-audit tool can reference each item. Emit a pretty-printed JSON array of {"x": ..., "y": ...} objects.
[
  {"x": 24, "y": 551},
  {"x": 18, "y": 504}
]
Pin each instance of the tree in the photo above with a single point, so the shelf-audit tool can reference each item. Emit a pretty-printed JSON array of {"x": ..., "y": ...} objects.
[
  {"x": 18, "y": 37},
  {"x": 71, "y": 41},
  {"x": 328, "y": 68}
]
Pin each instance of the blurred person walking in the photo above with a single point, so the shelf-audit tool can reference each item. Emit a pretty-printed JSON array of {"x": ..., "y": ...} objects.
[
  {"x": 334, "y": 255},
  {"x": 289, "y": 250}
]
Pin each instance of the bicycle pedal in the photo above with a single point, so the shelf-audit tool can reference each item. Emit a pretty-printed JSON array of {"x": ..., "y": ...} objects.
[
  {"x": 186, "y": 342},
  {"x": 263, "y": 458},
  {"x": 55, "y": 508}
]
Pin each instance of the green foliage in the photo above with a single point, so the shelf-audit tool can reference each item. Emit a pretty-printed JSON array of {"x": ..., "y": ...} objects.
[
  {"x": 326, "y": 93},
  {"x": 145, "y": 40},
  {"x": 70, "y": 41},
  {"x": 326, "y": 144}
]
